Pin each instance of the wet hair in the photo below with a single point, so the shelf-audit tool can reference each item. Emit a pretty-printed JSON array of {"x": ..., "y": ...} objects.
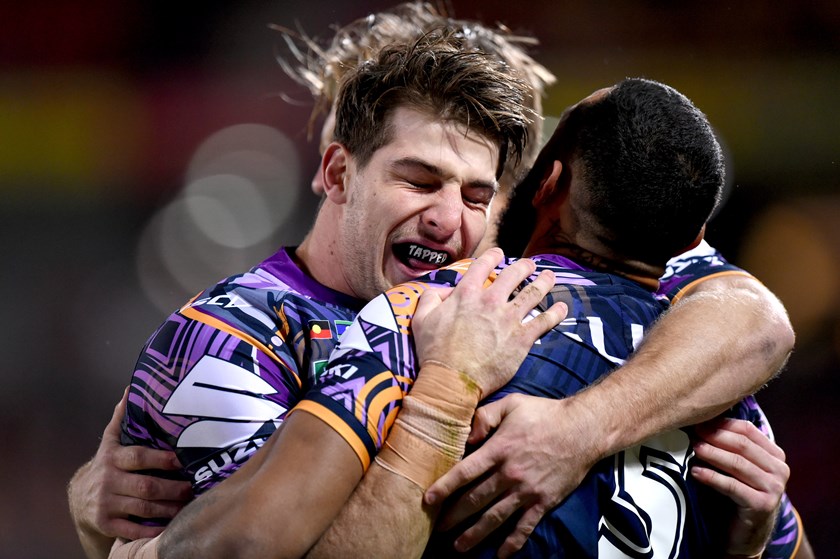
[
  {"x": 320, "y": 67},
  {"x": 651, "y": 168},
  {"x": 437, "y": 75}
]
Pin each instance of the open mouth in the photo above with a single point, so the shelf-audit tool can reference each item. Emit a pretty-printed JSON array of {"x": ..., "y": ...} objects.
[{"x": 412, "y": 255}]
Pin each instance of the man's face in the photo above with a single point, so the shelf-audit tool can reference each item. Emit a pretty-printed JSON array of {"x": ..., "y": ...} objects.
[{"x": 420, "y": 202}]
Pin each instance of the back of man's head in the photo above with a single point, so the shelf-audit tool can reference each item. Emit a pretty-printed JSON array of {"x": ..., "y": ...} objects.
[
  {"x": 649, "y": 172},
  {"x": 440, "y": 76}
]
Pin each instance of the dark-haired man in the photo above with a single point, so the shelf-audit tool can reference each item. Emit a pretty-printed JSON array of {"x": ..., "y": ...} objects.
[{"x": 628, "y": 179}]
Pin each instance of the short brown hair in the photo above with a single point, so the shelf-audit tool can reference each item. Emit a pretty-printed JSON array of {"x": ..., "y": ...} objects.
[
  {"x": 320, "y": 68},
  {"x": 437, "y": 75}
]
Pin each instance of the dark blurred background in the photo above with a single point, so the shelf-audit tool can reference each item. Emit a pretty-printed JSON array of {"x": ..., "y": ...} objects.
[{"x": 148, "y": 149}]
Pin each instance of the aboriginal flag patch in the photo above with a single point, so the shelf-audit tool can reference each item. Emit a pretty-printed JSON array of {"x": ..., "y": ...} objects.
[{"x": 320, "y": 330}]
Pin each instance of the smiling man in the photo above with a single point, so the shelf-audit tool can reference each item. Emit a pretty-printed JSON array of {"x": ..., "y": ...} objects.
[
  {"x": 422, "y": 134},
  {"x": 429, "y": 169}
]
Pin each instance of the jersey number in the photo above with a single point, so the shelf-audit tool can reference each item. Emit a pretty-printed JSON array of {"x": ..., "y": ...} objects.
[{"x": 646, "y": 514}]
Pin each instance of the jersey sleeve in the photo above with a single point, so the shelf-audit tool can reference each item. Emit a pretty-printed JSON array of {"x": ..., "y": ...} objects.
[
  {"x": 787, "y": 532},
  {"x": 370, "y": 372},
  {"x": 211, "y": 386},
  {"x": 687, "y": 270}
]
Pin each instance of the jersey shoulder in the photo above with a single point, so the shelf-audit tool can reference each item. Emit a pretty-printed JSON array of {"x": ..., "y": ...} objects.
[{"x": 698, "y": 264}]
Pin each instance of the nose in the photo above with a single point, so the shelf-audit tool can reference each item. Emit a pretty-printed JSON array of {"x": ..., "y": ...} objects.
[{"x": 443, "y": 217}]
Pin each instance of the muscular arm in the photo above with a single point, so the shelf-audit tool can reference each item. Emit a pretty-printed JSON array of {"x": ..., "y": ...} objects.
[
  {"x": 277, "y": 504},
  {"x": 386, "y": 516},
  {"x": 720, "y": 342},
  {"x": 281, "y": 500}
]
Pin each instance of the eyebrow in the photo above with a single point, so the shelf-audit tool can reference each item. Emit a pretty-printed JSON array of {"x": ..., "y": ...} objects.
[{"x": 413, "y": 163}]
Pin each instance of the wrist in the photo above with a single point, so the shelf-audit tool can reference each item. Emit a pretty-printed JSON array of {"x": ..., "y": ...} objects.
[
  {"x": 452, "y": 392},
  {"x": 599, "y": 420},
  {"x": 424, "y": 443}
]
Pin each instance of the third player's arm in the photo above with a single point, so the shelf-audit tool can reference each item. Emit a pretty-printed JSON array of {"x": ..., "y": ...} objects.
[{"x": 719, "y": 343}]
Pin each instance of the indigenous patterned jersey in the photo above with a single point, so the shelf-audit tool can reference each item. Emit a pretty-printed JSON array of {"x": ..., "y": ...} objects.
[
  {"x": 217, "y": 378},
  {"x": 639, "y": 503},
  {"x": 692, "y": 267}
]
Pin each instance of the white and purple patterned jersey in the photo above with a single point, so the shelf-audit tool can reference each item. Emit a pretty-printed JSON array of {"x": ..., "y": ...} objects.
[
  {"x": 219, "y": 376},
  {"x": 692, "y": 267},
  {"x": 639, "y": 503}
]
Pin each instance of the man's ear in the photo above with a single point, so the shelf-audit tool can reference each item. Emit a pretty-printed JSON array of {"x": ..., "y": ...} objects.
[
  {"x": 548, "y": 185},
  {"x": 333, "y": 172}
]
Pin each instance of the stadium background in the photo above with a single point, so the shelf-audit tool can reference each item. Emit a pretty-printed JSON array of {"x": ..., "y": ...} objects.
[{"x": 148, "y": 149}]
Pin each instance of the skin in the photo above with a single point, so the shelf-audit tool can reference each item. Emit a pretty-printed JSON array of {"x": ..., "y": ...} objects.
[
  {"x": 242, "y": 517},
  {"x": 762, "y": 348},
  {"x": 525, "y": 467},
  {"x": 104, "y": 491},
  {"x": 431, "y": 185}
]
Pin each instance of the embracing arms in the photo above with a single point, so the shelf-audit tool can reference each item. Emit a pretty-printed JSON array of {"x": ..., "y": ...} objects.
[
  {"x": 720, "y": 342},
  {"x": 106, "y": 491},
  {"x": 281, "y": 500}
]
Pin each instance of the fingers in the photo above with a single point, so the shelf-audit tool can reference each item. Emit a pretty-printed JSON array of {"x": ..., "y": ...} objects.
[
  {"x": 487, "y": 418},
  {"x": 480, "y": 270},
  {"x": 547, "y": 320},
  {"x": 736, "y": 444},
  {"x": 476, "y": 499},
  {"x": 142, "y": 508},
  {"x": 134, "y": 458},
  {"x": 512, "y": 276},
  {"x": 152, "y": 488},
  {"x": 126, "y": 529},
  {"x": 492, "y": 518},
  {"x": 429, "y": 300},
  {"x": 523, "y": 530},
  {"x": 723, "y": 429},
  {"x": 750, "y": 468}
]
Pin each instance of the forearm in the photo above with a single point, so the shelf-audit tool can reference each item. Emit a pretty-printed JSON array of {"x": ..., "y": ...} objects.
[
  {"x": 386, "y": 515},
  {"x": 277, "y": 504},
  {"x": 718, "y": 344}
]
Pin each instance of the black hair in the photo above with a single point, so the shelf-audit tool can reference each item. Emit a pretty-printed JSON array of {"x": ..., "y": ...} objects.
[{"x": 651, "y": 166}]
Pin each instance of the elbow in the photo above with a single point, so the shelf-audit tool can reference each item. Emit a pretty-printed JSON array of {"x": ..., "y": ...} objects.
[
  {"x": 778, "y": 337},
  {"x": 782, "y": 335},
  {"x": 784, "y": 339}
]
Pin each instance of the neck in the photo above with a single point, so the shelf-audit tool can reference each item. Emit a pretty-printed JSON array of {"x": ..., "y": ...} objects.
[
  {"x": 319, "y": 256},
  {"x": 594, "y": 255}
]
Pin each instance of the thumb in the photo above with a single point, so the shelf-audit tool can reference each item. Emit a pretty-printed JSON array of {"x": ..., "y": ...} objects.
[
  {"x": 430, "y": 300},
  {"x": 487, "y": 418},
  {"x": 112, "y": 430}
]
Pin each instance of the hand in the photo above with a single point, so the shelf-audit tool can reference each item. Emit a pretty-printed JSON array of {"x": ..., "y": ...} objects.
[
  {"x": 751, "y": 470},
  {"x": 104, "y": 492},
  {"x": 476, "y": 329},
  {"x": 532, "y": 461}
]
